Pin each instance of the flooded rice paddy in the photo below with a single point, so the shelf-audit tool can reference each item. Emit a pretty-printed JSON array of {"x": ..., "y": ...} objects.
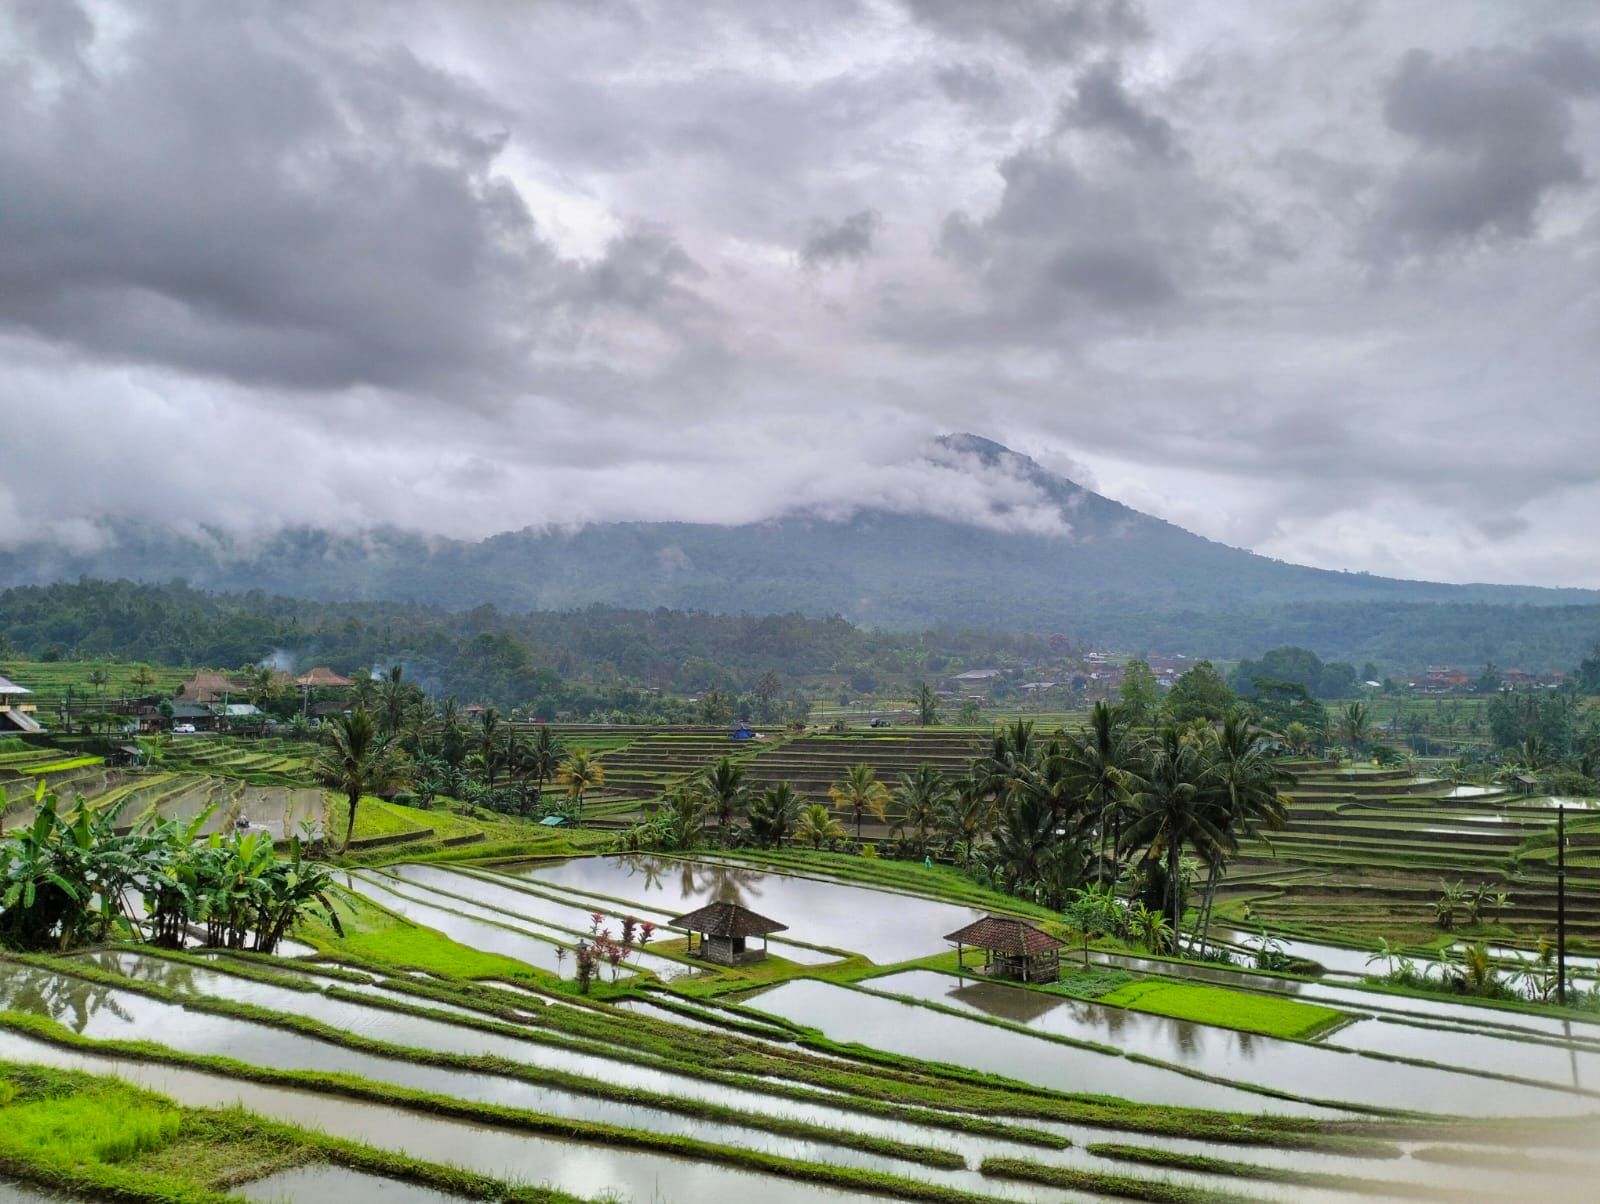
[
  {"x": 1329, "y": 1074},
  {"x": 883, "y": 926},
  {"x": 1044, "y": 1040}
]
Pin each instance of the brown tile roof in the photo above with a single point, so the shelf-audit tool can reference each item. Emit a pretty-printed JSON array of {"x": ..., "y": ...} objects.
[
  {"x": 728, "y": 920},
  {"x": 322, "y": 676},
  {"x": 1003, "y": 934}
]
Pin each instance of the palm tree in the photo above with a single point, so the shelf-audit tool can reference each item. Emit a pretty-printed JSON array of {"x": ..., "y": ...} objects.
[
  {"x": 860, "y": 791},
  {"x": 393, "y": 694},
  {"x": 966, "y": 816},
  {"x": 927, "y": 705},
  {"x": 1355, "y": 725},
  {"x": 1248, "y": 786},
  {"x": 99, "y": 678},
  {"x": 142, "y": 680},
  {"x": 579, "y": 774},
  {"x": 817, "y": 825},
  {"x": 1173, "y": 812},
  {"x": 490, "y": 740},
  {"x": 356, "y": 760},
  {"x": 724, "y": 784},
  {"x": 543, "y": 760},
  {"x": 1100, "y": 758},
  {"x": 921, "y": 797},
  {"x": 773, "y": 814}
]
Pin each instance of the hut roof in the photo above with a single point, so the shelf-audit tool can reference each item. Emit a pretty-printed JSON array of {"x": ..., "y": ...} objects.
[
  {"x": 727, "y": 920},
  {"x": 1003, "y": 934},
  {"x": 322, "y": 676},
  {"x": 206, "y": 686},
  {"x": 7, "y": 686}
]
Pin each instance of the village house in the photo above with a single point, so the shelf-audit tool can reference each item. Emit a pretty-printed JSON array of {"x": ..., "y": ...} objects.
[{"x": 16, "y": 712}]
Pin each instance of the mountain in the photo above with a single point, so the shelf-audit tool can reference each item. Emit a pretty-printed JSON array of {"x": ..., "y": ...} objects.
[{"x": 1107, "y": 573}]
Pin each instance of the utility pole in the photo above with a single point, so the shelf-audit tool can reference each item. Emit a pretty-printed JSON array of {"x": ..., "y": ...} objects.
[{"x": 1561, "y": 905}]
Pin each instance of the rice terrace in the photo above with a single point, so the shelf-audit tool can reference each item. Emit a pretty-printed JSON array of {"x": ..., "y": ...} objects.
[
  {"x": 935, "y": 961},
  {"x": 753, "y": 602}
]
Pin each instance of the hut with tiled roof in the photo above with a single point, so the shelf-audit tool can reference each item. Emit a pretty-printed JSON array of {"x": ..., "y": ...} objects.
[
  {"x": 322, "y": 678},
  {"x": 1012, "y": 949},
  {"x": 725, "y": 929}
]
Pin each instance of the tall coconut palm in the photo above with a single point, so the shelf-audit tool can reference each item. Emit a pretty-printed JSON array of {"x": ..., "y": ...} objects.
[
  {"x": 394, "y": 692},
  {"x": 1174, "y": 812},
  {"x": 544, "y": 755},
  {"x": 356, "y": 759},
  {"x": 725, "y": 786},
  {"x": 1248, "y": 787},
  {"x": 581, "y": 773},
  {"x": 918, "y": 802},
  {"x": 490, "y": 742},
  {"x": 860, "y": 792},
  {"x": 1102, "y": 758}
]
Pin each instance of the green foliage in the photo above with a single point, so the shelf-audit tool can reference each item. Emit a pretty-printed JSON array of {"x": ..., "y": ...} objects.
[
  {"x": 1201, "y": 693},
  {"x": 1270, "y": 1015},
  {"x": 1296, "y": 666},
  {"x": 1140, "y": 696}
]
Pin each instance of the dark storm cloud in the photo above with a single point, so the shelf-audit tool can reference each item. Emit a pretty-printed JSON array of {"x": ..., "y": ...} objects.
[
  {"x": 1043, "y": 30},
  {"x": 849, "y": 240},
  {"x": 1492, "y": 132},
  {"x": 253, "y": 200},
  {"x": 1101, "y": 102},
  {"x": 462, "y": 266}
]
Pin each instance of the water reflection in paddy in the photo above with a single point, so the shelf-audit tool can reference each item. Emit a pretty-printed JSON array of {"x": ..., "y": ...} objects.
[
  {"x": 505, "y": 905},
  {"x": 1291, "y": 1066},
  {"x": 853, "y": 1015},
  {"x": 326, "y": 1184},
  {"x": 583, "y": 1169},
  {"x": 885, "y": 927}
]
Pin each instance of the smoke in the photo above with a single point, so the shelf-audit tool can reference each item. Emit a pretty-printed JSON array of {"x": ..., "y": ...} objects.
[{"x": 279, "y": 659}]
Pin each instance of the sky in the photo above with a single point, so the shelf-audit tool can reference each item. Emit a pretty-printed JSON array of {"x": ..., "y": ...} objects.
[{"x": 1320, "y": 278}]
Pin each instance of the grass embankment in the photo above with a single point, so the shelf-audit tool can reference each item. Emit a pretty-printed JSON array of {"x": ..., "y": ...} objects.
[
  {"x": 1104, "y": 1183},
  {"x": 376, "y": 937},
  {"x": 102, "y": 1139},
  {"x": 1225, "y": 1168},
  {"x": 559, "y": 1128},
  {"x": 1265, "y": 1014}
]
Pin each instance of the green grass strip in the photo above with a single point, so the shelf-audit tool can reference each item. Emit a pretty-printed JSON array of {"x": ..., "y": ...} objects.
[
  {"x": 561, "y": 1128},
  {"x": 1124, "y": 1187},
  {"x": 1268, "y": 1015},
  {"x": 1202, "y": 1165}
]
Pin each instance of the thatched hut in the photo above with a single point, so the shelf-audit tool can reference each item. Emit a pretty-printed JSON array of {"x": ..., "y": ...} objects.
[
  {"x": 724, "y": 929},
  {"x": 1012, "y": 949}
]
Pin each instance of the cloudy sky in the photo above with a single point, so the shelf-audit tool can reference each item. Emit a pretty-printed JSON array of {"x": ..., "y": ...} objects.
[{"x": 1318, "y": 278}]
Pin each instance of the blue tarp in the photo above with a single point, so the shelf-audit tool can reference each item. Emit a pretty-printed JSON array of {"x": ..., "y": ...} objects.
[{"x": 553, "y": 821}]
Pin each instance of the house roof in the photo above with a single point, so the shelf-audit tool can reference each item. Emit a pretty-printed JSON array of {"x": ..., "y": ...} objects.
[
  {"x": 322, "y": 676},
  {"x": 1002, "y": 934},
  {"x": 190, "y": 710},
  {"x": 240, "y": 710},
  {"x": 207, "y": 686},
  {"x": 7, "y": 686},
  {"x": 727, "y": 920}
]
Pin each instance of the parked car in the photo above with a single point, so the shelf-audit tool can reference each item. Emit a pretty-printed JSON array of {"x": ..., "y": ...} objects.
[
  {"x": 879, "y": 723},
  {"x": 183, "y": 729}
]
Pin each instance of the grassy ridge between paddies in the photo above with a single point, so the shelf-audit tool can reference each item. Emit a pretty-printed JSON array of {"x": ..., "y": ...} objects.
[
  {"x": 102, "y": 1139},
  {"x": 1265, "y": 1014}
]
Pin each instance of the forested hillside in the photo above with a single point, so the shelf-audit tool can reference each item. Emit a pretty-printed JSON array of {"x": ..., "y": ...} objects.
[{"x": 1111, "y": 576}]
